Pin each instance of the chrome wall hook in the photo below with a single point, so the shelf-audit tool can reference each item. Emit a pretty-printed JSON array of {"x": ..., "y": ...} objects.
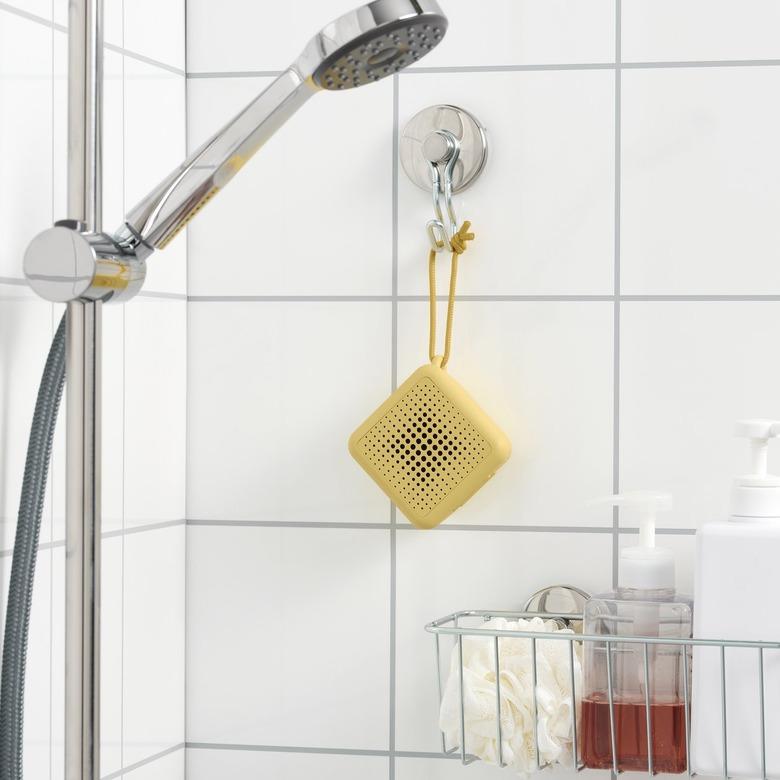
[
  {"x": 443, "y": 150},
  {"x": 441, "y": 147}
]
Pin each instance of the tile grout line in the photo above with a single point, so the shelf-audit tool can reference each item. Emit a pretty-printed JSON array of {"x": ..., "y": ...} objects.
[
  {"x": 185, "y": 695},
  {"x": 7, "y": 552},
  {"x": 486, "y": 298},
  {"x": 407, "y": 527},
  {"x": 54, "y": 325},
  {"x": 144, "y": 762},
  {"x": 616, "y": 314},
  {"x": 393, "y": 386},
  {"x": 124, "y": 432},
  {"x": 51, "y": 24},
  {"x": 321, "y": 751},
  {"x": 525, "y": 68},
  {"x": 134, "y": 55}
]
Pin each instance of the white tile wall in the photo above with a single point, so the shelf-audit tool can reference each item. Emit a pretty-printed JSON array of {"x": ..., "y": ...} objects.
[
  {"x": 332, "y": 167},
  {"x": 305, "y": 661},
  {"x": 569, "y": 340},
  {"x": 25, "y": 136},
  {"x": 167, "y": 767},
  {"x": 657, "y": 30},
  {"x": 153, "y": 652},
  {"x": 543, "y": 213},
  {"x": 505, "y": 32},
  {"x": 232, "y": 765},
  {"x": 275, "y": 389},
  {"x": 700, "y": 181},
  {"x": 542, "y": 371},
  {"x": 143, "y": 426},
  {"x": 688, "y": 370},
  {"x": 610, "y": 321}
]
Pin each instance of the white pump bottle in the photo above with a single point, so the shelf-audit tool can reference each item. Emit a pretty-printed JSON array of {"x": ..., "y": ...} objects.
[{"x": 737, "y": 579}]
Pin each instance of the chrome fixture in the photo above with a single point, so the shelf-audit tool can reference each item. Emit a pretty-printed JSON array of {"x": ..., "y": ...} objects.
[
  {"x": 443, "y": 149},
  {"x": 76, "y": 262},
  {"x": 69, "y": 262}
]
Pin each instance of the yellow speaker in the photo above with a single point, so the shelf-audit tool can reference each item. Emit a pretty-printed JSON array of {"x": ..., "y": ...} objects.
[{"x": 429, "y": 446}]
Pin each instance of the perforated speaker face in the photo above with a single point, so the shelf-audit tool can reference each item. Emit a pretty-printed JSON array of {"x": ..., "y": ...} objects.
[{"x": 429, "y": 446}]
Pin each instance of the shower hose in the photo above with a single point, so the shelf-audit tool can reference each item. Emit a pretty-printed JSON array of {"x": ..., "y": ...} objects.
[{"x": 20, "y": 589}]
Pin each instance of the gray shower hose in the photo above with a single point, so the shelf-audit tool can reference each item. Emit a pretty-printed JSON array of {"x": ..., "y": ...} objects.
[{"x": 20, "y": 589}]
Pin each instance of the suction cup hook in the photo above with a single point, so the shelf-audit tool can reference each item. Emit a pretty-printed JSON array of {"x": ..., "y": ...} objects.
[
  {"x": 443, "y": 149},
  {"x": 567, "y": 602}
]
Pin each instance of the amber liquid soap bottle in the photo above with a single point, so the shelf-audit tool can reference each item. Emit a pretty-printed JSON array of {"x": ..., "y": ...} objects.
[{"x": 645, "y": 604}]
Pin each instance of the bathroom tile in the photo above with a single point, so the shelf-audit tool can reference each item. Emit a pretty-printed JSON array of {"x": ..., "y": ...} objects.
[
  {"x": 240, "y": 36},
  {"x": 325, "y": 226},
  {"x": 111, "y": 619},
  {"x": 153, "y": 677},
  {"x": 701, "y": 173},
  {"x": 168, "y": 767},
  {"x": 512, "y": 32},
  {"x": 543, "y": 209},
  {"x": 445, "y": 571},
  {"x": 57, "y": 665},
  {"x": 25, "y": 136},
  {"x": 25, "y": 337},
  {"x": 543, "y": 372},
  {"x": 288, "y": 636},
  {"x": 38, "y": 682},
  {"x": 155, "y": 144},
  {"x": 161, "y": 40},
  {"x": 113, "y": 140},
  {"x": 39, "y": 8},
  {"x": 699, "y": 30},
  {"x": 155, "y": 410},
  {"x": 232, "y": 765},
  {"x": 523, "y": 32},
  {"x": 275, "y": 390},
  {"x": 441, "y": 768},
  {"x": 452, "y": 769},
  {"x": 687, "y": 372}
]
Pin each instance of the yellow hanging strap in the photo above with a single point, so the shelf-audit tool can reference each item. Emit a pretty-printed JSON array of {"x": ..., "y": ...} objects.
[{"x": 458, "y": 246}]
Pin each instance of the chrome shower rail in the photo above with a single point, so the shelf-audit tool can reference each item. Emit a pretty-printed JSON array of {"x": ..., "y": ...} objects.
[{"x": 452, "y": 625}]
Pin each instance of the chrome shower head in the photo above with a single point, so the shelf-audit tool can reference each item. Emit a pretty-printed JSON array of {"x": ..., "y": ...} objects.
[
  {"x": 373, "y": 41},
  {"x": 364, "y": 45}
]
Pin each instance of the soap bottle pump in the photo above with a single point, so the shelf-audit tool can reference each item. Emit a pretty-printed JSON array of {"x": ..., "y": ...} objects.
[
  {"x": 645, "y": 604},
  {"x": 737, "y": 577}
]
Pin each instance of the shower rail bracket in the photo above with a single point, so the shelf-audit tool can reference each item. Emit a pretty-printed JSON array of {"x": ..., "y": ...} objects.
[{"x": 69, "y": 262}]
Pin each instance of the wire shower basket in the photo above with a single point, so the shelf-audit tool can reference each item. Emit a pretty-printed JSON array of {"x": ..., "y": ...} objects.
[{"x": 466, "y": 624}]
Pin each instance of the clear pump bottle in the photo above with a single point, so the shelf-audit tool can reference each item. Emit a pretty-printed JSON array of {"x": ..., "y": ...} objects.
[{"x": 644, "y": 604}]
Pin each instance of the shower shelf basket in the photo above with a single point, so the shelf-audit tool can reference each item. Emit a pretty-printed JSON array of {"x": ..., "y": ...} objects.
[{"x": 467, "y": 623}]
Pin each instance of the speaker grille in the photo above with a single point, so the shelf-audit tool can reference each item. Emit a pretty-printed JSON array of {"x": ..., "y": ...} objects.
[{"x": 424, "y": 447}]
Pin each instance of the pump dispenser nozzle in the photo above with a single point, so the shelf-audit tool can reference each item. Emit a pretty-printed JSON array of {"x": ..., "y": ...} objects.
[
  {"x": 645, "y": 566},
  {"x": 757, "y": 495}
]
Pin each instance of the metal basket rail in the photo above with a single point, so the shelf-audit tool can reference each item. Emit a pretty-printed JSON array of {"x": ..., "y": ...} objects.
[{"x": 452, "y": 625}]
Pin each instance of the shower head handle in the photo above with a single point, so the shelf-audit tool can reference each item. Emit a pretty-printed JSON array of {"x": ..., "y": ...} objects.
[
  {"x": 364, "y": 45},
  {"x": 164, "y": 211}
]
